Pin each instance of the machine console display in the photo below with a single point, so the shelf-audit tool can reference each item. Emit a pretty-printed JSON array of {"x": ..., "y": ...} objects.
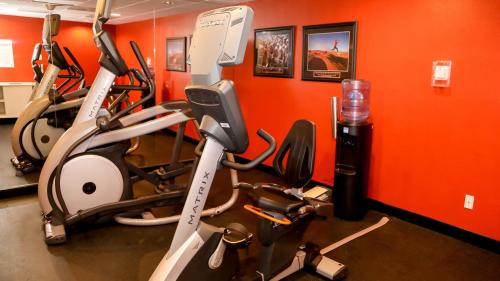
[{"x": 217, "y": 109}]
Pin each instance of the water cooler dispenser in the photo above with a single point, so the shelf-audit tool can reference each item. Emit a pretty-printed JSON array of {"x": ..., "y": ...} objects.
[{"x": 352, "y": 161}]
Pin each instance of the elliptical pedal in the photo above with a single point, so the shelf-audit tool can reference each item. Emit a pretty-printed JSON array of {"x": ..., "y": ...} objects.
[
  {"x": 54, "y": 234},
  {"x": 172, "y": 170},
  {"x": 167, "y": 175},
  {"x": 22, "y": 166},
  {"x": 14, "y": 161}
]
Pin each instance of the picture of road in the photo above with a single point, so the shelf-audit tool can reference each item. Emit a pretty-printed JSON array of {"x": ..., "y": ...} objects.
[{"x": 328, "y": 51}]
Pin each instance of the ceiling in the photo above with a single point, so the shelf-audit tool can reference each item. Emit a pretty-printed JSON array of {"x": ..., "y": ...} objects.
[{"x": 124, "y": 11}]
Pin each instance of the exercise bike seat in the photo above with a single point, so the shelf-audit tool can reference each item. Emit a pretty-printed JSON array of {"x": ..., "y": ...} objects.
[{"x": 299, "y": 150}]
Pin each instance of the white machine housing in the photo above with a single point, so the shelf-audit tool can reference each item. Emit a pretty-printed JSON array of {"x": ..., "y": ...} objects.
[{"x": 228, "y": 27}]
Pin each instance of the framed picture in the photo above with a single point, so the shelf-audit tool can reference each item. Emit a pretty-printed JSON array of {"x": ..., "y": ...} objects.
[
  {"x": 188, "y": 60},
  {"x": 274, "y": 51},
  {"x": 189, "y": 40},
  {"x": 176, "y": 54},
  {"x": 329, "y": 52}
]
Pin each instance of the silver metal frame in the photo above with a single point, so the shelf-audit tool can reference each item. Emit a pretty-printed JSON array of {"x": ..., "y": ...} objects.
[
  {"x": 186, "y": 235},
  {"x": 40, "y": 101},
  {"x": 32, "y": 109},
  {"x": 86, "y": 122},
  {"x": 213, "y": 28}
]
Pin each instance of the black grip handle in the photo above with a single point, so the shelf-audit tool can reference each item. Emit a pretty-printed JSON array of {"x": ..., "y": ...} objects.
[
  {"x": 263, "y": 156},
  {"x": 74, "y": 60},
  {"x": 36, "y": 53},
  {"x": 74, "y": 73},
  {"x": 150, "y": 85},
  {"x": 140, "y": 58},
  {"x": 138, "y": 75},
  {"x": 128, "y": 88},
  {"x": 71, "y": 75}
]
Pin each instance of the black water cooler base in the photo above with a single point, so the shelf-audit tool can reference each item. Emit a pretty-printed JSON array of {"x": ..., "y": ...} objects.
[
  {"x": 348, "y": 198},
  {"x": 352, "y": 170}
]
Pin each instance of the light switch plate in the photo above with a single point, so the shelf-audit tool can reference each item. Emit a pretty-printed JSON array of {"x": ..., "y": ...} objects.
[
  {"x": 441, "y": 73},
  {"x": 469, "y": 202}
]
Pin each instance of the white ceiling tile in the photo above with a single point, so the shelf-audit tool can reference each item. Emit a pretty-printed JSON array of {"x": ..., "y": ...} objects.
[{"x": 129, "y": 10}]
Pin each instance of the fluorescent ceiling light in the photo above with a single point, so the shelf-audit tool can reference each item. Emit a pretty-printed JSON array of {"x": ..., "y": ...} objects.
[
  {"x": 3, "y": 3},
  {"x": 8, "y": 10},
  {"x": 115, "y": 14},
  {"x": 60, "y": 2}
]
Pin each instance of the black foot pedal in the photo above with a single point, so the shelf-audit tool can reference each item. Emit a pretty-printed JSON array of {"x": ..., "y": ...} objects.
[{"x": 237, "y": 236}]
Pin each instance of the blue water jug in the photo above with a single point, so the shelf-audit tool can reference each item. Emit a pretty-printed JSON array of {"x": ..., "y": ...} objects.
[{"x": 355, "y": 100}]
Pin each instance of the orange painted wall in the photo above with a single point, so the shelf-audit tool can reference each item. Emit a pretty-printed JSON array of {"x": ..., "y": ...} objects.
[
  {"x": 26, "y": 32},
  {"x": 431, "y": 146}
]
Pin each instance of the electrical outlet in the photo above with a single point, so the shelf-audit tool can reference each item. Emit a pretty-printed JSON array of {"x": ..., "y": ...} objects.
[{"x": 469, "y": 202}]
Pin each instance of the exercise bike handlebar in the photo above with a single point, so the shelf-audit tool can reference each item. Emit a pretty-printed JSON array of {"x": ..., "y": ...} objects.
[
  {"x": 259, "y": 159},
  {"x": 250, "y": 165}
]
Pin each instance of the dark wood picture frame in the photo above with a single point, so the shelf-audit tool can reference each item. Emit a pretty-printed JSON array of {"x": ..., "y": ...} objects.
[
  {"x": 323, "y": 63},
  {"x": 288, "y": 58},
  {"x": 177, "y": 66}
]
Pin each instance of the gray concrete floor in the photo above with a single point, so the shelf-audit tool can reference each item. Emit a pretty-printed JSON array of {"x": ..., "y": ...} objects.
[{"x": 397, "y": 251}]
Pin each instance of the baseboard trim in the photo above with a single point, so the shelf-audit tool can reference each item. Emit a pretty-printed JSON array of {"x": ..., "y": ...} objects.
[
  {"x": 435, "y": 225},
  {"x": 4, "y": 121},
  {"x": 18, "y": 191}
]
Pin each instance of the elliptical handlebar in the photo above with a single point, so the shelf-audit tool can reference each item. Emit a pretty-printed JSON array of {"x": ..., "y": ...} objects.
[
  {"x": 129, "y": 87},
  {"x": 37, "y": 69},
  {"x": 141, "y": 60},
  {"x": 138, "y": 75},
  {"x": 75, "y": 61},
  {"x": 150, "y": 84},
  {"x": 37, "y": 51},
  {"x": 102, "y": 15},
  {"x": 75, "y": 71}
]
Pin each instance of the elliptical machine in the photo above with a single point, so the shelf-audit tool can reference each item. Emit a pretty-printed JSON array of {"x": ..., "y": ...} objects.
[
  {"x": 50, "y": 111},
  {"x": 203, "y": 252},
  {"x": 37, "y": 68},
  {"x": 86, "y": 176}
]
